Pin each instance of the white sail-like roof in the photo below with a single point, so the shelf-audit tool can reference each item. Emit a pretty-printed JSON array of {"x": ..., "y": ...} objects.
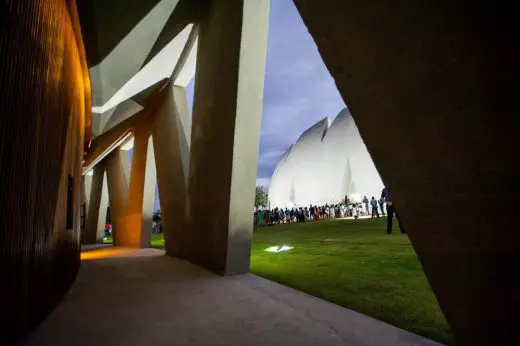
[{"x": 325, "y": 164}]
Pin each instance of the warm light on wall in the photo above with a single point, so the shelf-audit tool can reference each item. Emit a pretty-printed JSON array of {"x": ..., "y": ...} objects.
[
  {"x": 108, "y": 252},
  {"x": 118, "y": 252}
]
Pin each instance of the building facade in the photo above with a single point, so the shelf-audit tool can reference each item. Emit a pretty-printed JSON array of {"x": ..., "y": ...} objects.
[{"x": 327, "y": 163}]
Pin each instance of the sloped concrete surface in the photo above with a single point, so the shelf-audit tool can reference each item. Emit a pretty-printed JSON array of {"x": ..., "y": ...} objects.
[{"x": 145, "y": 298}]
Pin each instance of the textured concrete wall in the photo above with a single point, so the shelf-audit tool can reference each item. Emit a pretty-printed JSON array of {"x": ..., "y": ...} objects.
[
  {"x": 44, "y": 104},
  {"x": 431, "y": 86}
]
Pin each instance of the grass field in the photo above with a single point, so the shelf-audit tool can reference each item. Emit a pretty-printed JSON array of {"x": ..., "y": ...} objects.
[
  {"x": 353, "y": 264},
  {"x": 157, "y": 241},
  {"x": 356, "y": 265}
]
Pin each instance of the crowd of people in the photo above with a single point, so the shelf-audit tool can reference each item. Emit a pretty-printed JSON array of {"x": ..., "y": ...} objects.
[{"x": 373, "y": 207}]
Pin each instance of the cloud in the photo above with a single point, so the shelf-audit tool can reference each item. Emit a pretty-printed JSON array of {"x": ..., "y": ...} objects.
[
  {"x": 299, "y": 90},
  {"x": 263, "y": 182}
]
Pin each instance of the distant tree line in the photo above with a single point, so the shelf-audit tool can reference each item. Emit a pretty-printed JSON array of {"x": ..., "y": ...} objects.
[{"x": 261, "y": 197}]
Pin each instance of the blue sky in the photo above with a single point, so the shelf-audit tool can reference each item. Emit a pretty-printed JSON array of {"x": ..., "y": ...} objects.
[{"x": 299, "y": 90}]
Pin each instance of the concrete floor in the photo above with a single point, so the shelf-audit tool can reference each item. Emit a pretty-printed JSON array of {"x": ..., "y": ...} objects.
[{"x": 140, "y": 297}]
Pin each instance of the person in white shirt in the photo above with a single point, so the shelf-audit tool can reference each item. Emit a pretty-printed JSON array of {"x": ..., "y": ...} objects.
[{"x": 354, "y": 211}]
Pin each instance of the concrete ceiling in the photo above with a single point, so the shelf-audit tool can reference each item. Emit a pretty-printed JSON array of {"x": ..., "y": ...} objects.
[{"x": 131, "y": 45}]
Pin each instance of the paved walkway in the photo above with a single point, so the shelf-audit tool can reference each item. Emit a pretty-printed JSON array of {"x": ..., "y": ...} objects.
[{"x": 140, "y": 297}]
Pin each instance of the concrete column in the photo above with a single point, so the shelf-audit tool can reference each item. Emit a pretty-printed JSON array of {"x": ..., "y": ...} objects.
[
  {"x": 141, "y": 194},
  {"x": 117, "y": 190},
  {"x": 86, "y": 185},
  {"x": 183, "y": 125},
  {"x": 150, "y": 182},
  {"x": 227, "y": 111},
  {"x": 171, "y": 142},
  {"x": 126, "y": 163},
  {"x": 86, "y": 188},
  {"x": 97, "y": 207},
  {"x": 430, "y": 86}
]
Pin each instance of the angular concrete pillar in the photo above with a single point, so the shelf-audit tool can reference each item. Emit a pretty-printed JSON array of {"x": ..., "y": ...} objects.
[
  {"x": 86, "y": 188},
  {"x": 171, "y": 143},
  {"x": 117, "y": 191},
  {"x": 97, "y": 207},
  {"x": 148, "y": 205},
  {"x": 430, "y": 86},
  {"x": 86, "y": 184},
  {"x": 137, "y": 229},
  {"x": 126, "y": 163},
  {"x": 183, "y": 125},
  {"x": 227, "y": 110}
]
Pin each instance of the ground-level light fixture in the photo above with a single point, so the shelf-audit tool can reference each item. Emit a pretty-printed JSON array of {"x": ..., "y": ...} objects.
[{"x": 278, "y": 248}]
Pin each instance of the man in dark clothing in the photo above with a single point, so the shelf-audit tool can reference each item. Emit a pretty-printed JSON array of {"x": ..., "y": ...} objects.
[
  {"x": 276, "y": 216},
  {"x": 382, "y": 206},
  {"x": 390, "y": 210},
  {"x": 373, "y": 203}
]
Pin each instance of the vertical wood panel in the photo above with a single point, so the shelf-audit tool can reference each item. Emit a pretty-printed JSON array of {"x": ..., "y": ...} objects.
[{"x": 43, "y": 103}]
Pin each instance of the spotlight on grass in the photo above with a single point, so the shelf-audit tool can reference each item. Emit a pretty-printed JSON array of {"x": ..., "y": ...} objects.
[{"x": 278, "y": 248}]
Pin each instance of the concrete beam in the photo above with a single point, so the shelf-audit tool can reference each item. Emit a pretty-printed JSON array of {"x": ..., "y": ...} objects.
[
  {"x": 97, "y": 206},
  {"x": 227, "y": 110},
  {"x": 127, "y": 57},
  {"x": 103, "y": 145},
  {"x": 430, "y": 87}
]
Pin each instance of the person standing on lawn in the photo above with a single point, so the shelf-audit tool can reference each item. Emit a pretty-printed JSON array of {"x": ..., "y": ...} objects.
[
  {"x": 355, "y": 211},
  {"x": 365, "y": 204},
  {"x": 390, "y": 210},
  {"x": 373, "y": 203},
  {"x": 382, "y": 206}
]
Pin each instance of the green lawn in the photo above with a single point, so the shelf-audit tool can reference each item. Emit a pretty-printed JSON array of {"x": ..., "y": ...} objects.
[
  {"x": 356, "y": 265},
  {"x": 353, "y": 264},
  {"x": 157, "y": 241}
]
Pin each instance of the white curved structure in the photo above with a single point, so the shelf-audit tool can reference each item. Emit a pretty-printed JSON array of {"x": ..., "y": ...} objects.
[{"x": 325, "y": 164}]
